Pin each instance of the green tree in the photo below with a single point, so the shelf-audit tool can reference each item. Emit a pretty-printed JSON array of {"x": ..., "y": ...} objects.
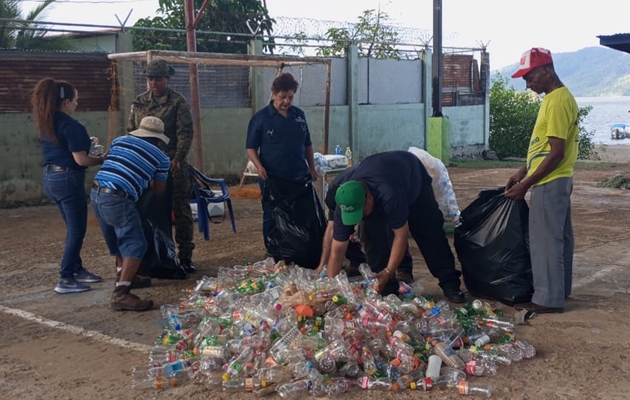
[
  {"x": 233, "y": 16},
  {"x": 372, "y": 36},
  {"x": 31, "y": 33},
  {"x": 513, "y": 116}
]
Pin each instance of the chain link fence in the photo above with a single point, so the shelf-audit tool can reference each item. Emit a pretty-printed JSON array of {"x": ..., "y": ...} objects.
[{"x": 220, "y": 86}]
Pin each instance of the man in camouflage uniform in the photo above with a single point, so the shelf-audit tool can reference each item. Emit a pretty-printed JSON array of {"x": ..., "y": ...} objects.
[{"x": 171, "y": 107}]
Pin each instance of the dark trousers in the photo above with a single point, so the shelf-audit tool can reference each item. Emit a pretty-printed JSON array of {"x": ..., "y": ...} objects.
[
  {"x": 426, "y": 226},
  {"x": 266, "y": 208},
  {"x": 355, "y": 254},
  {"x": 179, "y": 189}
]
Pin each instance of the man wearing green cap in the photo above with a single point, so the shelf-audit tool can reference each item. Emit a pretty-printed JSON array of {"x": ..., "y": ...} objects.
[
  {"x": 392, "y": 191},
  {"x": 173, "y": 109}
]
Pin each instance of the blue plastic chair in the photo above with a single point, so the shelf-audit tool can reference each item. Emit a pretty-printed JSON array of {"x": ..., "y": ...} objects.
[{"x": 202, "y": 186}]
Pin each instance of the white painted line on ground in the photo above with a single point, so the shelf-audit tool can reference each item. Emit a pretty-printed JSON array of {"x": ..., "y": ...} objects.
[
  {"x": 76, "y": 330},
  {"x": 592, "y": 278}
]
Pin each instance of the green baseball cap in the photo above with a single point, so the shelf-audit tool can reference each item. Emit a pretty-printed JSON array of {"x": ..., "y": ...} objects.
[{"x": 350, "y": 198}]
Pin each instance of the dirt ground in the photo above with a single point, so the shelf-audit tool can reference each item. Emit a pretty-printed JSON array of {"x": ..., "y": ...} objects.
[{"x": 582, "y": 354}]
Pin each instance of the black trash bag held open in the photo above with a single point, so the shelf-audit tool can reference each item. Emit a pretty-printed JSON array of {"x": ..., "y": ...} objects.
[
  {"x": 298, "y": 222},
  {"x": 492, "y": 245},
  {"x": 161, "y": 260}
]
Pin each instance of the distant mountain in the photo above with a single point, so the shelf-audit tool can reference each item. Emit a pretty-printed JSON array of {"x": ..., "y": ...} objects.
[{"x": 589, "y": 72}]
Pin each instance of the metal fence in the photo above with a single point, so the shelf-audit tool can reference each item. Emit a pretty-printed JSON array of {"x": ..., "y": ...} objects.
[{"x": 220, "y": 86}]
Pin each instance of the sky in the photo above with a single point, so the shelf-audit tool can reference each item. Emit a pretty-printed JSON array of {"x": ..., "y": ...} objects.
[{"x": 507, "y": 27}]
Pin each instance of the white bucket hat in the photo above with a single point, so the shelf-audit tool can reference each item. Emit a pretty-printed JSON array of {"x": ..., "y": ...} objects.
[{"x": 151, "y": 127}]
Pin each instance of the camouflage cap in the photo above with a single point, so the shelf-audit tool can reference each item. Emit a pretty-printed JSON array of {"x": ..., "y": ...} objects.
[{"x": 158, "y": 69}]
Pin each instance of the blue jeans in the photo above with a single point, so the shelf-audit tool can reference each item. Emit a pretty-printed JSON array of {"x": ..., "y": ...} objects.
[
  {"x": 121, "y": 225},
  {"x": 67, "y": 190}
]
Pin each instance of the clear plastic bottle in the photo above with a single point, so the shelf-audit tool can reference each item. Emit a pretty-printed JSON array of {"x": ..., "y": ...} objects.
[
  {"x": 338, "y": 150},
  {"x": 235, "y": 367},
  {"x": 96, "y": 149},
  {"x": 294, "y": 390},
  {"x": 307, "y": 370},
  {"x": 349, "y": 156},
  {"x": 369, "y": 363},
  {"x": 452, "y": 374},
  {"x": 350, "y": 369},
  {"x": 448, "y": 356},
  {"x": 241, "y": 385},
  {"x": 372, "y": 282},
  {"x": 475, "y": 367},
  {"x": 528, "y": 350},
  {"x": 369, "y": 383},
  {"x": 274, "y": 375},
  {"x": 500, "y": 322},
  {"x": 281, "y": 349},
  {"x": 404, "y": 382},
  {"x": 474, "y": 389},
  {"x": 337, "y": 386}
]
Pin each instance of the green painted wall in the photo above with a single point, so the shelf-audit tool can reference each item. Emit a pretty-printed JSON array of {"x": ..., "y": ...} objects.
[
  {"x": 380, "y": 128},
  {"x": 20, "y": 163},
  {"x": 389, "y": 127}
]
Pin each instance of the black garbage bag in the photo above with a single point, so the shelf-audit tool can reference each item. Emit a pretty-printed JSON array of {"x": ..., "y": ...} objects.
[
  {"x": 161, "y": 260},
  {"x": 492, "y": 245},
  {"x": 298, "y": 222}
]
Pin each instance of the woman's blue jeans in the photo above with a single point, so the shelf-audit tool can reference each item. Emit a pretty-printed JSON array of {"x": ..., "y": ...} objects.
[{"x": 67, "y": 189}]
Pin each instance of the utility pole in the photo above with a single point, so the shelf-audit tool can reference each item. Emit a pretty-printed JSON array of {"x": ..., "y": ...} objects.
[
  {"x": 191, "y": 42},
  {"x": 439, "y": 128},
  {"x": 436, "y": 76}
]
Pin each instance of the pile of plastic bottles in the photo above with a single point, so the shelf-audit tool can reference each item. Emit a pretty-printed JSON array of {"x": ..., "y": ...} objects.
[{"x": 273, "y": 328}]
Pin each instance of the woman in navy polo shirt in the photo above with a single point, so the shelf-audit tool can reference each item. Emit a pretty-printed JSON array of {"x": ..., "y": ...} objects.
[
  {"x": 279, "y": 142},
  {"x": 65, "y": 146}
]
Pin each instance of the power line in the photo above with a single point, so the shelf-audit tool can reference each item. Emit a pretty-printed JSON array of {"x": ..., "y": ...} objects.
[{"x": 88, "y": 1}]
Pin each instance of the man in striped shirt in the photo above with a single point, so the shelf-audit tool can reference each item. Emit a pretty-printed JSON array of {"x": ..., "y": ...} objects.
[{"x": 132, "y": 164}]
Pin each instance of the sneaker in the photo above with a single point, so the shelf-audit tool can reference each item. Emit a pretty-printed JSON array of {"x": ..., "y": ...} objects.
[
  {"x": 404, "y": 276},
  {"x": 122, "y": 300},
  {"x": 85, "y": 276},
  {"x": 70, "y": 285},
  {"x": 138, "y": 281}
]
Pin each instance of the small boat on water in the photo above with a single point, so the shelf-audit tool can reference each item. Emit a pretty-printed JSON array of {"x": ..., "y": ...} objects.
[{"x": 619, "y": 131}]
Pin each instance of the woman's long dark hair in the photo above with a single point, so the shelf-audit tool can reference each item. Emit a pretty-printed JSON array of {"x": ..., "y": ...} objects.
[{"x": 47, "y": 97}]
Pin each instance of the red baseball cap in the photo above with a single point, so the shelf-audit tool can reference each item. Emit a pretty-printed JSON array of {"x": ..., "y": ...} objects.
[{"x": 532, "y": 58}]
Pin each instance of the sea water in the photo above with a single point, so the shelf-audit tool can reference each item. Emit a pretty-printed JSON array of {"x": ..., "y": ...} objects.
[{"x": 606, "y": 112}]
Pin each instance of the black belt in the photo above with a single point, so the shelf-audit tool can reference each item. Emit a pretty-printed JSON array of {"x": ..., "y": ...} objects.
[
  {"x": 58, "y": 168},
  {"x": 115, "y": 192}
]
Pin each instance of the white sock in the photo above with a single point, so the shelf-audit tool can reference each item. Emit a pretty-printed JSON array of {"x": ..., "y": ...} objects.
[
  {"x": 118, "y": 269},
  {"x": 126, "y": 283}
]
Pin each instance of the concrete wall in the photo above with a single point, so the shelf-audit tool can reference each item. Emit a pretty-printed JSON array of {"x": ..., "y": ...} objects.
[
  {"x": 21, "y": 160},
  {"x": 366, "y": 128},
  {"x": 390, "y": 127},
  {"x": 379, "y": 128},
  {"x": 468, "y": 134}
]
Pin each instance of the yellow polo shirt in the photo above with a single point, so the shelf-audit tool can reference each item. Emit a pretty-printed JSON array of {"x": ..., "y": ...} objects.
[{"x": 558, "y": 117}]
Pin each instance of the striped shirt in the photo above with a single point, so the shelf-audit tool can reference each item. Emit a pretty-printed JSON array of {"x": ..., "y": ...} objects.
[{"x": 131, "y": 164}]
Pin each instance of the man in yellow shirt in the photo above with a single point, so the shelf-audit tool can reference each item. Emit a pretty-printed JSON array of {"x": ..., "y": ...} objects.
[{"x": 551, "y": 158}]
